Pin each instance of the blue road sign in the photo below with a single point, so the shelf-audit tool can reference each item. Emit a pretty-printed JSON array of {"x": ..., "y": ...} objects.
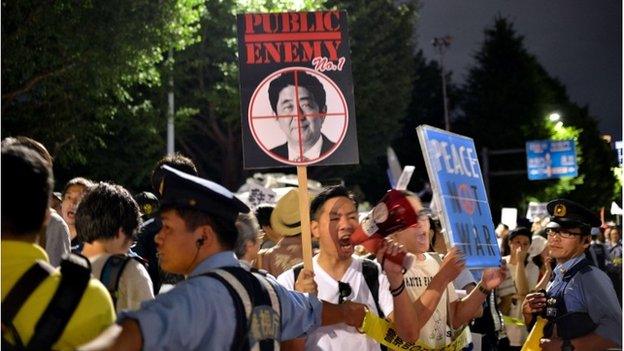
[
  {"x": 551, "y": 159},
  {"x": 457, "y": 182}
]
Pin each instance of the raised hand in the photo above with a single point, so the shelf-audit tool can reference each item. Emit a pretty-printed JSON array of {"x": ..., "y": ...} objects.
[
  {"x": 394, "y": 272},
  {"x": 493, "y": 277},
  {"x": 521, "y": 254},
  {"x": 452, "y": 264}
]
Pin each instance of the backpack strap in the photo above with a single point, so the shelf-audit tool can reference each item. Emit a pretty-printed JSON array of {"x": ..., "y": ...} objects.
[
  {"x": 371, "y": 277},
  {"x": 17, "y": 296},
  {"x": 111, "y": 273},
  {"x": 75, "y": 276},
  {"x": 258, "y": 310},
  {"x": 297, "y": 269}
]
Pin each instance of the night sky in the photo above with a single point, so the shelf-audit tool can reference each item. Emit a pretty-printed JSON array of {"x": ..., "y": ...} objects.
[{"x": 577, "y": 41}]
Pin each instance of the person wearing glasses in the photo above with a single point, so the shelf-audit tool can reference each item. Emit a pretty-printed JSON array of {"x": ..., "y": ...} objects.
[
  {"x": 580, "y": 304},
  {"x": 429, "y": 283},
  {"x": 339, "y": 276}
]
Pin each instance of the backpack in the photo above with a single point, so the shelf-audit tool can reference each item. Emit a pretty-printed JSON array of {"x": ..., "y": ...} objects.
[
  {"x": 112, "y": 270},
  {"x": 75, "y": 276},
  {"x": 258, "y": 309}
]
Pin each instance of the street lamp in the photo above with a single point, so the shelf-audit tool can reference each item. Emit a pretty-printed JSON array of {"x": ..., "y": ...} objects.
[
  {"x": 441, "y": 44},
  {"x": 554, "y": 117}
]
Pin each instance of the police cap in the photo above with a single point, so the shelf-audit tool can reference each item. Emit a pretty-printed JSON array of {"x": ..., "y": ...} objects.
[
  {"x": 181, "y": 190},
  {"x": 569, "y": 214}
]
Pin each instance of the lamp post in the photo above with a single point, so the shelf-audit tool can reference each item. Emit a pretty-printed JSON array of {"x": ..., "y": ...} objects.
[{"x": 441, "y": 44}]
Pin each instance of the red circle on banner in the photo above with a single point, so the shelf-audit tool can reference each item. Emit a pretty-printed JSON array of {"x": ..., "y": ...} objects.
[
  {"x": 263, "y": 120},
  {"x": 466, "y": 198}
]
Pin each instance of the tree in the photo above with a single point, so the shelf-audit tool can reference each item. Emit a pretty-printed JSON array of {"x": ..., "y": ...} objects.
[
  {"x": 73, "y": 73},
  {"x": 382, "y": 49},
  {"x": 505, "y": 102},
  {"x": 425, "y": 108},
  {"x": 206, "y": 76}
]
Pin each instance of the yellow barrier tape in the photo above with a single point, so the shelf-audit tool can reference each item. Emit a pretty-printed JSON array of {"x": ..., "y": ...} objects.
[
  {"x": 532, "y": 342},
  {"x": 384, "y": 333},
  {"x": 515, "y": 321}
]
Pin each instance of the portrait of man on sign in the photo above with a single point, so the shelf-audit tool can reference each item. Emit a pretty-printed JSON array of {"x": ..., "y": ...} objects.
[{"x": 298, "y": 101}]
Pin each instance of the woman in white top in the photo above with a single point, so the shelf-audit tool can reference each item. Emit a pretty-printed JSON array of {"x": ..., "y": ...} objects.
[{"x": 522, "y": 278}]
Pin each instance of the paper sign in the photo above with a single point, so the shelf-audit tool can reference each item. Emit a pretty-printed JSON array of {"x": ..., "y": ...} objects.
[
  {"x": 297, "y": 103},
  {"x": 509, "y": 216},
  {"x": 405, "y": 177}
]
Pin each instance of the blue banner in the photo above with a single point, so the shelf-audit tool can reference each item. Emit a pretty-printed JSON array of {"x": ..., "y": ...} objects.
[
  {"x": 455, "y": 174},
  {"x": 551, "y": 159}
]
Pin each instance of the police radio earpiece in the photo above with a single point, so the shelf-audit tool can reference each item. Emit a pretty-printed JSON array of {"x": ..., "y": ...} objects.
[{"x": 200, "y": 242}]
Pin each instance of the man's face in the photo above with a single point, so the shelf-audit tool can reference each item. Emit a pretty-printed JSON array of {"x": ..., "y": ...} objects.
[
  {"x": 563, "y": 249},
  {"x": 175, "y": 244},
  {"x": 311, "y": 115},
  {"x": 70, "y": 202},
  {"x": 415, "y": 238},
  {"x": 334, "y": 226}
]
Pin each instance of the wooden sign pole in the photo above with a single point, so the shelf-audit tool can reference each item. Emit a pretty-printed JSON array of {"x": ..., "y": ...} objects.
[{"x": 304, "y": 211}]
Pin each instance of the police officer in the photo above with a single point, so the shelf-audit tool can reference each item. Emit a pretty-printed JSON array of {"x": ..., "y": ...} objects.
[
  {"x": 220, "y": 305},
  {"x": 580, "y": 304}
]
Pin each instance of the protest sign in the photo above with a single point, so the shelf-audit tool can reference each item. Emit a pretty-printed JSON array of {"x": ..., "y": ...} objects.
[
  {"x": 457, "y": 183},
  {"x": 297, "y": 104},
  {"x": 509, "y": 217}
]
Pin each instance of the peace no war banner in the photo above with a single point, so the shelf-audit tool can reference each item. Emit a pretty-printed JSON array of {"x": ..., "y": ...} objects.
[
  {"x": 297, "y": 103},
  {"x": 457, "y": 183}
]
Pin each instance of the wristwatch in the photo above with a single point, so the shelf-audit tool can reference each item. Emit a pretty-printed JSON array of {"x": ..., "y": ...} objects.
[{"x": 483, "y": 290}]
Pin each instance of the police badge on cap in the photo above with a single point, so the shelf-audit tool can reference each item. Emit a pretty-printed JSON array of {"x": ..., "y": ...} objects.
[{"x": 569, "y": 214}]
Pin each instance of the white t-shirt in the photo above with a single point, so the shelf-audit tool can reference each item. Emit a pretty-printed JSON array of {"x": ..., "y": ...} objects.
[
  {"x": 341, "y": 336},
  {"x": 517, "y": 334},
  {"x": 435, "y": 332},
  {"x": 135, "y": 284}
]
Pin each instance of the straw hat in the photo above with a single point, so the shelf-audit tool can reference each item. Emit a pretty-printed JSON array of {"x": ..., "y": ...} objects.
[{"x": 285, "y": 218}]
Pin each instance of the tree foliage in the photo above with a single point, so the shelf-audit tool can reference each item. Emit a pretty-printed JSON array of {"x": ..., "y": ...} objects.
[
  {"x": 505, "y": 102},
  {"x": 206, "y": 85},
  {"x": 73, "y": 73}
]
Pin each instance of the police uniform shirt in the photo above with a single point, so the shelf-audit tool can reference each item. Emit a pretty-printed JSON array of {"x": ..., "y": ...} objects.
[
  {"x": 199, "y": 314},
  {"x": 591, "y": 292}
]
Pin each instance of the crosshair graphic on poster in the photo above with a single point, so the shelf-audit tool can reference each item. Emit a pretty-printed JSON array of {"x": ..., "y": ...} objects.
[{"x": 298, "y": 116}]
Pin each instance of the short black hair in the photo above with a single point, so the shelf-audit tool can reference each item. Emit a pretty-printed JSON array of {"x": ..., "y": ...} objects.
[
  {"x": 27, "y": 183},
  {"x": 226, "y": 231},
  {"x": 103, "y": 210},
  {"x": 263, "y": 214},
  {"x": 176, "y": 161},
  {"x": 311, "y": 83},
  {"x": 31, "y": 144},
  {"x": 328, "y": 193}
]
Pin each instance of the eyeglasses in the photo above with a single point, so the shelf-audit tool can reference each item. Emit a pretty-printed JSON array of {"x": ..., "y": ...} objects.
[
  {"x": 344, "y": 290},
  {"x": 561, "y": 232}
]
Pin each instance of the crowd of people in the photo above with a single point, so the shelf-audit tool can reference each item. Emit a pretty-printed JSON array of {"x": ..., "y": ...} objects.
[{"x": 188, "y": 266}]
